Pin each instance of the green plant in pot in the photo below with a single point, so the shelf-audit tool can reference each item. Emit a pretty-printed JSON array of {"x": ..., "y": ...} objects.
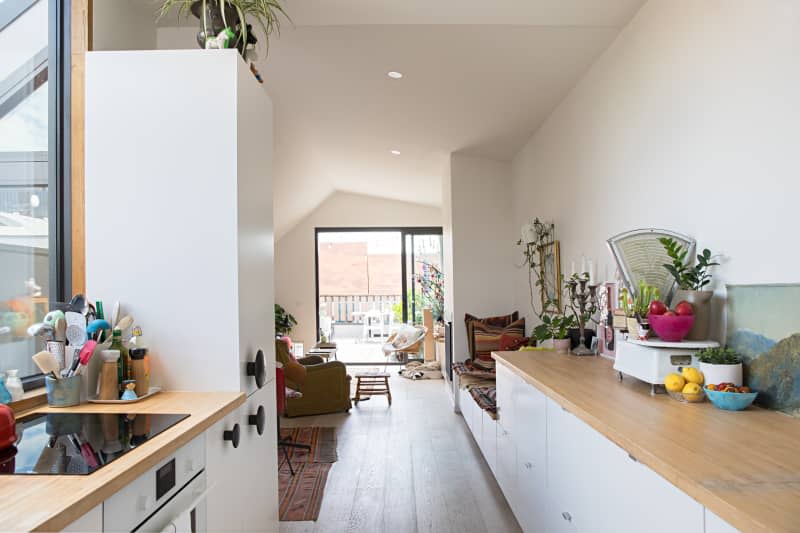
[
  {"x": 692, "y": 281},
  {"x": 284, "y": 322},
  {"x": 635, "y": 306},
  {"x": 556, "y": 327},
  {"x": 230, "y": 23},
  {"x": 721, "y": 365}
]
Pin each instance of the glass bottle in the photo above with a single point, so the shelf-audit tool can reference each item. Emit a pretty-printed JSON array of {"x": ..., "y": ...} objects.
[
  {"x": 124, "y": 362},
  {"x": 5, "y": 396},
  {"x": 14, "y": 385}
]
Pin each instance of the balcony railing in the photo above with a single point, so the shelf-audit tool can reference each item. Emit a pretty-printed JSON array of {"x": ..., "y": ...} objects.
[{"x": 341, "y": 308}]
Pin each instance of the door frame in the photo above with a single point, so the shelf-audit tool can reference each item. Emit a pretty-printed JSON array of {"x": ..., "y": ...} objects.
[{"x": 403, "y": 230}]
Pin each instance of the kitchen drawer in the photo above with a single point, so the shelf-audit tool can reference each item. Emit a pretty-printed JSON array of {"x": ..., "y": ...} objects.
[
  {"x": 715, "y": 524},
  {"x": 139, "y": 499},
  {"x": 488, "y": 442},
  {"x": 225, "y": 469}
]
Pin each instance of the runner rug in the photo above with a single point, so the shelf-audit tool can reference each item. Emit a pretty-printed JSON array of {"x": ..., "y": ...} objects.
[{"x": 301, "y": 494}]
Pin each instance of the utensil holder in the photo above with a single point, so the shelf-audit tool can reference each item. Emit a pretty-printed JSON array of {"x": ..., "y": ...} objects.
[{"x": 63, "y": 392}]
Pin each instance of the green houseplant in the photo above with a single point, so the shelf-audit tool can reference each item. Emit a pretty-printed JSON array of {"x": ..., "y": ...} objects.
[
  {"x": 229, "y": 23},
  {"x": 284, "y": 322},
  {"x": 692, "y": 281},
  {"x": 635, "y": 305},
  {"x": 721, "y": 365},
  {"x": 555, "y": 327}
]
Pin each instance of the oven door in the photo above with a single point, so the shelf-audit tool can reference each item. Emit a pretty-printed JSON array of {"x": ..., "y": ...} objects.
[{"x": 185, "y": 512}]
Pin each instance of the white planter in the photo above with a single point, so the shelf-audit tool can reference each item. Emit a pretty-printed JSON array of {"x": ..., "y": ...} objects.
[
  {"x": 722, "y": 373},
  {"x": 561, "y": 345}
]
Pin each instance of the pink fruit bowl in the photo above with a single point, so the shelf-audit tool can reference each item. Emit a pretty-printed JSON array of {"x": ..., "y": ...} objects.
[{"x": 671, "y": 328}]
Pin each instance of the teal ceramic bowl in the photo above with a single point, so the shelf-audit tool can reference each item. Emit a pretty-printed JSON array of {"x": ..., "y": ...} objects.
[{"x": 731, "y": 401}]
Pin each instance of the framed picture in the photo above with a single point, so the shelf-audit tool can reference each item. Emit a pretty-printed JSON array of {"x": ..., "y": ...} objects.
[{"x": 550, "y": 265}]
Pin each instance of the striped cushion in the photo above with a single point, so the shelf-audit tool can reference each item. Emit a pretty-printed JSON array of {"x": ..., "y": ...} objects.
[
  {"x": 494, "y": 321},
  {"x": 486, "y": 398},
  {"x": 488, "y": 339}
]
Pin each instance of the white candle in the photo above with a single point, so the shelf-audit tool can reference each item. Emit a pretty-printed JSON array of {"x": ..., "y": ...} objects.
[
  {"x": 583, "y": 264},
  {"x": 592, "y": 274},
  {"x": 572, "y": 270}
]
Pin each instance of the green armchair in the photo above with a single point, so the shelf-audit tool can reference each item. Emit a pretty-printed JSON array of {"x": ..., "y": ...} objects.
[{"x": 326, "y": 388}]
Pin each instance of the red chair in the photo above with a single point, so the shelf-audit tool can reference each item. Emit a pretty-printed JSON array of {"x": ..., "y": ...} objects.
[{"x": 280, "y": 393}]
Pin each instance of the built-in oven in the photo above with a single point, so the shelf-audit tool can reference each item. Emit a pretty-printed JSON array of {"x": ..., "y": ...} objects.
[{"x": 170, "y": 497}]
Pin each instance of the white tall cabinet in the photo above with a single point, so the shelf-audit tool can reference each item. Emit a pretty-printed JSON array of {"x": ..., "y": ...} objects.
[{"x": 179, "y": 228}]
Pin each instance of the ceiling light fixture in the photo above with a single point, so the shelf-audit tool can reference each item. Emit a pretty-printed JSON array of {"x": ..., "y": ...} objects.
[
  {"x": 394, "y": 75},
  {"x": 394, "y": 152}
]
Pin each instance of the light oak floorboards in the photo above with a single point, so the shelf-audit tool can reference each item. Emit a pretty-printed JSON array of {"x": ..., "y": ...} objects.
[{"x": 409, "y": 468}]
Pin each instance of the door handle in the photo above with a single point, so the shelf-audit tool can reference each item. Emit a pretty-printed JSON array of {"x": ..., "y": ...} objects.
[
  {"x": 258, "y": 420},
  {"x": 232, "y": 435}
]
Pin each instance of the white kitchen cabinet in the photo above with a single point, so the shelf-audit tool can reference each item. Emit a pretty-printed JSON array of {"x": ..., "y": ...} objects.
[
  {"x": 715, "y": 524},
  {"x": 89, "y": 523},
  {"x": 179, "y": 223},
  {"x": 506, "y": 471},
  {"x": 488, "y": 443},
  {"x": 225, "y": 469}
]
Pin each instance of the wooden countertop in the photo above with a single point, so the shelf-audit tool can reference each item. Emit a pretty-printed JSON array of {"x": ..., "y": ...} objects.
[
  {"x": 744, "y": 466},
  {"x": 50, "y": 503}
]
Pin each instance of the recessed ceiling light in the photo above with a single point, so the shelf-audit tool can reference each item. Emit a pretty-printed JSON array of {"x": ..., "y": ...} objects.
[
  {"x": 395, "y": 75},
  {"x": 394, "y": 152}
]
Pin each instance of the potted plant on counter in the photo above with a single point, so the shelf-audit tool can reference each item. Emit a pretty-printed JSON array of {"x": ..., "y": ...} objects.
[
  {"x": 636, "y": 307},
  {"x": 721, "y": 365},
  {"x": 692, "y": 282},
  {"x": 555, "y": 327}
]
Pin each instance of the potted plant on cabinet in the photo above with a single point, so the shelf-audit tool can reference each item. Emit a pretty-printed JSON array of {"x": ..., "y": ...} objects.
[
  {"x": 636, "y": 305},
  {"x": 229, "y": 23},
  {"x": 721, "y": 365},
  {"x": 556, "y": 328},
  {"x": 692, "y": 281}
]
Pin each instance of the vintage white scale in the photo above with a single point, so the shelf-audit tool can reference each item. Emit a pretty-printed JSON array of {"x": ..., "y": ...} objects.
[{"x": 640, "y": 255}]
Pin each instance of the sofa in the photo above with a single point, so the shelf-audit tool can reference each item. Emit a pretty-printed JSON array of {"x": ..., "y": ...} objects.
[{"x": 324, "y": 387}]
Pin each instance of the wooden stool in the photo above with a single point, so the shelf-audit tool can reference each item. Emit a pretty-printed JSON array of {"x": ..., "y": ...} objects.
[{"x": 372, "y": 384}]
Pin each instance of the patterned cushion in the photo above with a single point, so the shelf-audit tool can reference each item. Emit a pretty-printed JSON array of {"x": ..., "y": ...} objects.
[
  {"x": 486, "y": 398},
  {"x": 467, "y": 368},
  {"x": 495, "y": 321},
  {"x": 510, "y": 343},
  {"x": 487, "y": 339}
]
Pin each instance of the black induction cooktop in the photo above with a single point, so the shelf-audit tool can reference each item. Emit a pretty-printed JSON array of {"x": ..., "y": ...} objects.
[{"x": 78, "y": 443}]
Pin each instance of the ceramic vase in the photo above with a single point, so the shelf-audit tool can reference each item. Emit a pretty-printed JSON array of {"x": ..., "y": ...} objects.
[
  {"x": 561, "y": 345},
  {"x": 701, "y": 301},
  {"x": 717, "y": 374}
]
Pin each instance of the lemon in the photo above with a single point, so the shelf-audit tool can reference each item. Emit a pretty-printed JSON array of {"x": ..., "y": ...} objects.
[
  {"x": 693, "y": 392},
  {"x": 674, "y": 382},
  {"x": 692, "y": 375}
]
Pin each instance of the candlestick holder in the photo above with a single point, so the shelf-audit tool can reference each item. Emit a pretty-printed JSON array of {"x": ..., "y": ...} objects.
[{"x": 583, "y": 302}]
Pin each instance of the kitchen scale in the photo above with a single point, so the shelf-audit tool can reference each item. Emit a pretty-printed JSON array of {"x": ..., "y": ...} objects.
[{"x": 651, "y": 360}]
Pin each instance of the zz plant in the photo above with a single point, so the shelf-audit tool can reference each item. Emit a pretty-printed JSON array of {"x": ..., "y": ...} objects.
[{"x": 690, "y": 278}]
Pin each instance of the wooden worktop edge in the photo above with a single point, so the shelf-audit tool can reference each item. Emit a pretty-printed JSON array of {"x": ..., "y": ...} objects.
[
  {"x": 97, "y": 495},
  {"x": 683, "y": 481}
]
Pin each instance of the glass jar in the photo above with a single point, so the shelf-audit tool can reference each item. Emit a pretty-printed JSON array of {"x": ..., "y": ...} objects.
[{"x": 14, "y": 385}]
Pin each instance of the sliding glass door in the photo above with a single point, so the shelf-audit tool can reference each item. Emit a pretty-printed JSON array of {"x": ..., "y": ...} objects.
[{"x": 370, "y": 281}]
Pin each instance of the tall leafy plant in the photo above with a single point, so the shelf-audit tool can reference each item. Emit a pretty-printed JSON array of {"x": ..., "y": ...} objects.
[
  {"x": 690, "y": 278},
  {"x": 284, "y": 322},
  {"x": 536, "y": 235}
]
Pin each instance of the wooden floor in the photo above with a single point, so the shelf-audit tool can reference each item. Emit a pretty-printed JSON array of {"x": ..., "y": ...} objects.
[{"x": 412, "y": 467}]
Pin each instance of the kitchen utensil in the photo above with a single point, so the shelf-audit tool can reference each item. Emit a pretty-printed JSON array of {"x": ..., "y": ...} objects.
[
  {"x": 96, "y": 326},
  {"x": 115, "y": 314},
  {"x": 83, "y": 357},
  {"x": 77, "y": 304},
  {"x": 76, "y": 328},
  {"x": 671, "y": 328},
  {"x": 61, "y": 329},
  {"x": 58, "y": 349},
  {"x": 731, "y": 401},
  {"x": 8, "y": 427},
  {"x": 651, "y": 360},
  {"x": 124, "y": 323},
  {"x": 47, "y": 363},
  {"x": 53, "y": 316},
  {"x": 40, "y": 329},
  {"x": 63, "y": 392}
]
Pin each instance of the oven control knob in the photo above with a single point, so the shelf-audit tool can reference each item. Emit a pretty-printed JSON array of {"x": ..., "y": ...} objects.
[
  {"x": 258, "y": 420},
  {"x": 232, "y": 435},
  {"x": 190, "y": 465},
  {"x": 258, "y": 369}
]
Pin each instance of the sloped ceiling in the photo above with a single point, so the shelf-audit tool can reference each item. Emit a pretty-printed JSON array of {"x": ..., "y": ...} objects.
[{"x": 479, "y": 77}]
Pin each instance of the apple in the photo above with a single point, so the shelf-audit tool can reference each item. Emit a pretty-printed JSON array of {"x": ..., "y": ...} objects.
[
  {"x": 657, "y": 307},
  {"x": 684, "y": 308},
  {"x": 670, "y": 313}
]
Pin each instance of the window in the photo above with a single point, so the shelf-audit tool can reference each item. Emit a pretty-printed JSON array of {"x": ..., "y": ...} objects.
[{"x": 34, "y": 177}]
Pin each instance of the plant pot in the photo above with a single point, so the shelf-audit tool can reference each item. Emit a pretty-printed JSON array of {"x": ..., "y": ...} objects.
[
  {"x": 701, "y": 301},
  {"x": 561, "y": 345},
  {"x": 722, "y": 373},
  {"x": 633, "y": 327},
  {"x": 214, "y": 21}
]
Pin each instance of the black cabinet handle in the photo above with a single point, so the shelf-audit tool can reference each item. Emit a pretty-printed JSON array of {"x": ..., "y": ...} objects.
[
  {"x": 232, "y": 435},
  {"x": 258, "y": 420},
  {"x": 258, "y": 369}
]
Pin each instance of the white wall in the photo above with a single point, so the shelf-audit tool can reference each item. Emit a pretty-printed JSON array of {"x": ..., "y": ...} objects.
[
  {"x": 124, "y": 25},
  {"x": 295, "y": 286},
  {"x": 481, "y": 246},
  {"x": 689, "y": 121}
]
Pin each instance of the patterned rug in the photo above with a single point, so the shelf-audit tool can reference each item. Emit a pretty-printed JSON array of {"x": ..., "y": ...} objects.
[{"x": 301, "y": 495}]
